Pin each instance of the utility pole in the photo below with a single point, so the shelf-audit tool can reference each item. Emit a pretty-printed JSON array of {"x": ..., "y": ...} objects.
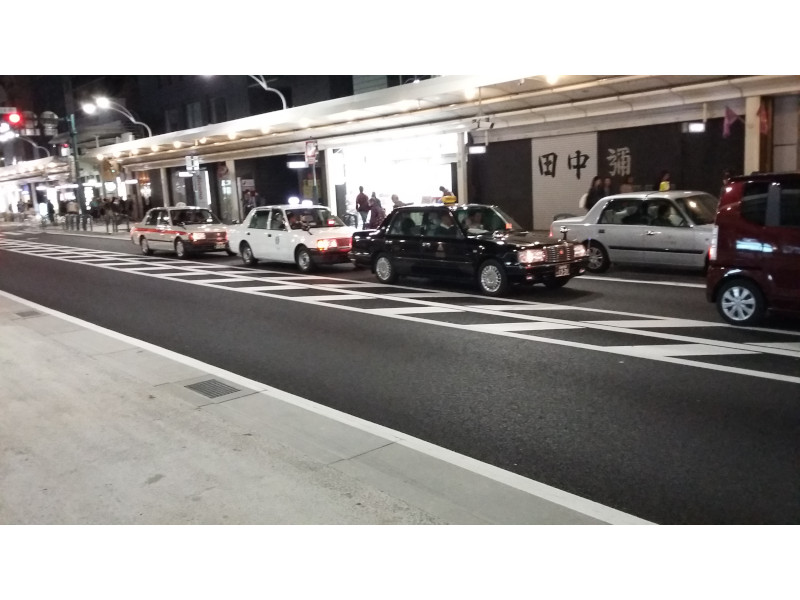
[{"x": 75, "y": 169}]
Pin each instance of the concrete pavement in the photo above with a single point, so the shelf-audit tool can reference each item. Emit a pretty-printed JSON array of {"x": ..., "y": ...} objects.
[{"x": 100, "y": 428}]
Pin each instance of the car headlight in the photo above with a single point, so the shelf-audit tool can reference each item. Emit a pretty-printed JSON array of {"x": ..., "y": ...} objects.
[
  {"x": 323, "y": 245},
  {"x": 531, "y": 256},
  {"x": 197, "y": 236},
  {"x": 579, "y": 251}
]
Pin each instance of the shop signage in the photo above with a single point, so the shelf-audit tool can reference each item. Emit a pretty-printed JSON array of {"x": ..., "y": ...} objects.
[{"x": 311, "y": 152}]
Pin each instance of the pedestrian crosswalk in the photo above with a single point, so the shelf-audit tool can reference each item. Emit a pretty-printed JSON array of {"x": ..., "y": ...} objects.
[{"x": 701, "y": 344}]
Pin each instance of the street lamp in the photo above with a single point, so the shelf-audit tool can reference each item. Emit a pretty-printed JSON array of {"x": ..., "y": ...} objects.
[
  {"x": 263, "y": 83},
  {"x": 105, "y": 104},
  {"x": 34, "y": 144}
]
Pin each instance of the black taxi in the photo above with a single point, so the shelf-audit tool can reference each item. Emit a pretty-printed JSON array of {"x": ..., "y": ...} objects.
[{"x": 475, "y": 241}]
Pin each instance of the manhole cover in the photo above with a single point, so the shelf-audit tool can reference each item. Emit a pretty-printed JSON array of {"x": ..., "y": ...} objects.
[{"x": 212, "y": 388}]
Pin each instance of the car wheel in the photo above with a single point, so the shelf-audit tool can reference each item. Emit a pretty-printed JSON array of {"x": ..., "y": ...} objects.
[
  {"x": 384, "y": 269},
  {"x": 180, "y": 248},
  {"x": 598, "y": 258},
  {"x": 228, "y": 251},
  {"x": 556, "y": 282},
  {"x": 145, "y": 246},
  {"x": 740, "y": 302},
  {"x": 303, "y": 259},
  {"x": 492, "y": 278},
  {"x": 247, "y": 255}
]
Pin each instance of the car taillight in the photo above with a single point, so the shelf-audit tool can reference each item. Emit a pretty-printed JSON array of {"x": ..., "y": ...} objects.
[
  {"x": 197, "y": 236},
  {"x": 712, "y": 249}
]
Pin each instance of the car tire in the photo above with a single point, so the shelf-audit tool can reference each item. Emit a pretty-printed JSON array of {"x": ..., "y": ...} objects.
[
  {"x": 180, "y": 249},
  {"x": 247, "y": 255},
  {"x": 385, "y": 271},
  {"x": 228, "y": 251},
  {"x": 492, "y": 278},
  {"x": 556, "y": 282},
  {"x": 740, "y": 302},
  {"x": 145, "y": 246},
  {"x": 598, "y": 258},
  {"x": 303, "y": 260}
]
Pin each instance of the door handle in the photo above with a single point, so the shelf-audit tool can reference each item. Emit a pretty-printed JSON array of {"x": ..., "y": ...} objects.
[
  {"x": 248, "y": 233},
  {"x": 653, "y": 233},
  {"x": 269, "y": 235}
]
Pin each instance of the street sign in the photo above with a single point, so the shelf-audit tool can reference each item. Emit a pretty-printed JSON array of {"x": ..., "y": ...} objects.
[
  {"x": 192, "y": 163},
  {"x": 311, "y": 152}
]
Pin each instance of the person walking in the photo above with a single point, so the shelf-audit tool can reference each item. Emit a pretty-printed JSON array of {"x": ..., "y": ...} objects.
[
  {"x": 595, "y": 192},
  {"x": 627, "y": 186},
  {"x": 362, "y": 206},
  {"x": 376, "y": 212},
  {"x": 607, "y": 191}
]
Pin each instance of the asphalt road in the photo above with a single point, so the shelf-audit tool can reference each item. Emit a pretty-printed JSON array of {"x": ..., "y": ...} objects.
[{"x": 595, "y": 409}]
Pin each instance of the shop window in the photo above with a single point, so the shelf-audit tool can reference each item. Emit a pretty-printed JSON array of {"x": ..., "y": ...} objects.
[{"x": 218, "y": 110}]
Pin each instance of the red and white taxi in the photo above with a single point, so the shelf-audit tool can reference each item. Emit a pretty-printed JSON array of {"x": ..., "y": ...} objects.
[
  {"x": 307, "y": 235},
  {"x": 183, "y": 230}
]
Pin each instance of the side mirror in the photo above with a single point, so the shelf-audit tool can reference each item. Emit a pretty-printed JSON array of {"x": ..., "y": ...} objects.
[{"x": 235, "y": 222}]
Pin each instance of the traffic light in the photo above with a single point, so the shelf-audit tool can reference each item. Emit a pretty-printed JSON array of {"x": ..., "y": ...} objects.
[{"x": 14, "y": 120}]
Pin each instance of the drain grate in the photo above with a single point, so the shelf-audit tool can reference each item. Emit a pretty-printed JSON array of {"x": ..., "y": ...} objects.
[
  {"x": 28, "y": 313},
  {"x": 212, "y": 388}
]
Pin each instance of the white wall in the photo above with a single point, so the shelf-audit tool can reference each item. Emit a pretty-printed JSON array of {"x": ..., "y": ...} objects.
[{"x": 560, "y": 193}]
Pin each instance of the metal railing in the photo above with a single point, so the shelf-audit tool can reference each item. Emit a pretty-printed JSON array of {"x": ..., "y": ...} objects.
[{"x": 76, "y": 222}]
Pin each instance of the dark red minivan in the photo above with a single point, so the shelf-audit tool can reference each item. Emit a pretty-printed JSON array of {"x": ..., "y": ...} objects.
[{"x": 754, "y": 259}]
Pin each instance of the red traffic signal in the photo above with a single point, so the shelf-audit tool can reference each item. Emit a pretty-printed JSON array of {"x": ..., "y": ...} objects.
[{"x": 14, "y": 119}]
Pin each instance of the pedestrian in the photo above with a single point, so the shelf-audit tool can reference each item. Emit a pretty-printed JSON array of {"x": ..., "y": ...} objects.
[
  {"x": 607, "y": 191},
  {"x": 627, "y": 185},
  {"x": 595, "y": 192},
  {"x": 396, "y": 201},
  {"x": 247, "y": 202},
  {"x": 362, "y": 206},
  {"x": 257, "y": 199},
  {"x": 51, "y": 212},
  {"x": 664, "y": 184},
  {"x": 376, "y": 212}
]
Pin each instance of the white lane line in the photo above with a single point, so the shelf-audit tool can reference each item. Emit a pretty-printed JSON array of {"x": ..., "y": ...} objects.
[
  {"x": 433, "y": 294},
  {"x": 342, "y": 296},
  {"x": 677, "y": 350},
  {"x": 532, "y": 306},
  {"x": 532, "y": 326},
  {"x": 644, "y": 281},
  {"x": 793, "y": 346},
  {"x": 655, "y": 323},
  {"x": 535, "y": 488},
  {"x": 256, "y": 289},
  {"x": 409, "y": 310}
]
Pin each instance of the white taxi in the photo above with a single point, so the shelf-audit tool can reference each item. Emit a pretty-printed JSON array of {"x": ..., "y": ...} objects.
[
  {"x": 181, "y": 229},
  {"x": 305, "y": 235}
]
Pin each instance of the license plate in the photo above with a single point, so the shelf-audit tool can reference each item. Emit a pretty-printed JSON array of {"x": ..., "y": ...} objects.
[
  {"x": 219, "y": 246},
  {"x": 562, "y": 271}
]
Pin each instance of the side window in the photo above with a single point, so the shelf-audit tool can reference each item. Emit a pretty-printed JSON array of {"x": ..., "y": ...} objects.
[
  {"x": 624, "y": 211},
  {"x": 790, "y": 204},
  {"x": 163, "y": 217},
  {"x": 754, "y": 201},
  {"x": 407, "y": 223},
  {"x": 661, "y": 213},
  {"x": 276, "y": 220},
  {"x": 259, "y": 220},
  {"x": 152, "y": 218}
]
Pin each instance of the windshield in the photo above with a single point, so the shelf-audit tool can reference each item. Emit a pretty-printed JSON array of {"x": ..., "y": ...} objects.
[
  {"x": 195, "y": 217},
  {"x": 312, "y": 217},
  {"x": 485, "y": 219},
  {"x": 701, "y": 208}
]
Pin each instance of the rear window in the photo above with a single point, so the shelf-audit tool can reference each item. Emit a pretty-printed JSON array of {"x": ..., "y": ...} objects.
[
  {"x": 702, "y": 208},
  {"x": 754, "y": 201}
]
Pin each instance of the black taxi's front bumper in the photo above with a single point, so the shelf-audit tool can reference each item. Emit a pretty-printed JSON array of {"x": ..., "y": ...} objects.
[{"x": 539, "y": 273}]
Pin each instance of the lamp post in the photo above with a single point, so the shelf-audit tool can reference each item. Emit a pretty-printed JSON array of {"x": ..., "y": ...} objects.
[
  {"x": 263, "y": 83},
  {"x": 104, "y": 103},
  {"x": 34, "y": 144}
]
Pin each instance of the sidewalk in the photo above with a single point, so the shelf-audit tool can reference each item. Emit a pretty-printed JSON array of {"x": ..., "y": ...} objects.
[
  {"x": 99, "y": 428},
  {"x": 99, "y": 230}
]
